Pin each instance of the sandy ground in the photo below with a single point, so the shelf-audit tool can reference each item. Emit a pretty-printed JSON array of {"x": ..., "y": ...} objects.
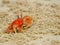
[{"x": 46, "y": 26}]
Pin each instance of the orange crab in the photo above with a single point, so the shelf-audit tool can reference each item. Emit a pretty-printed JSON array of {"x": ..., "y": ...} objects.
[{"x": 20, "y": 24}]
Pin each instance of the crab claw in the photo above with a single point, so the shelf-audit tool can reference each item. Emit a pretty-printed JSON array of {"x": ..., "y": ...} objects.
[{"x": 28, "y": 21}]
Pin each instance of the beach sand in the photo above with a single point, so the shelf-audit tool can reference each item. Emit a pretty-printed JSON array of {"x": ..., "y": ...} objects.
[{"x": 46, "y": 26}]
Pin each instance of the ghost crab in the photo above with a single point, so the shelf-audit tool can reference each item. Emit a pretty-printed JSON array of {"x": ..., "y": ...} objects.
[{"x": 20, "y": 24}]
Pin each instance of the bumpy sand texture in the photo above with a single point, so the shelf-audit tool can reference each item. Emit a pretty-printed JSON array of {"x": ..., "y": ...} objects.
[{"x": 46, "y": 26}]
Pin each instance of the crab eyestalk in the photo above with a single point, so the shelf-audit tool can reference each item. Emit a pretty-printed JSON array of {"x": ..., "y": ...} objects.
[{"x": 19, "y": 14}]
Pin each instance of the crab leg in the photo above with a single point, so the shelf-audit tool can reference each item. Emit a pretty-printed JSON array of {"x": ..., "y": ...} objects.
[
  {"x": 14, "y": 28},
  {"x": 20, "y": 29}
]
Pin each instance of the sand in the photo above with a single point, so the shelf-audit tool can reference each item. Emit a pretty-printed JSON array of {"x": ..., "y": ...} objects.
[{"x": 46, "y": 26}]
